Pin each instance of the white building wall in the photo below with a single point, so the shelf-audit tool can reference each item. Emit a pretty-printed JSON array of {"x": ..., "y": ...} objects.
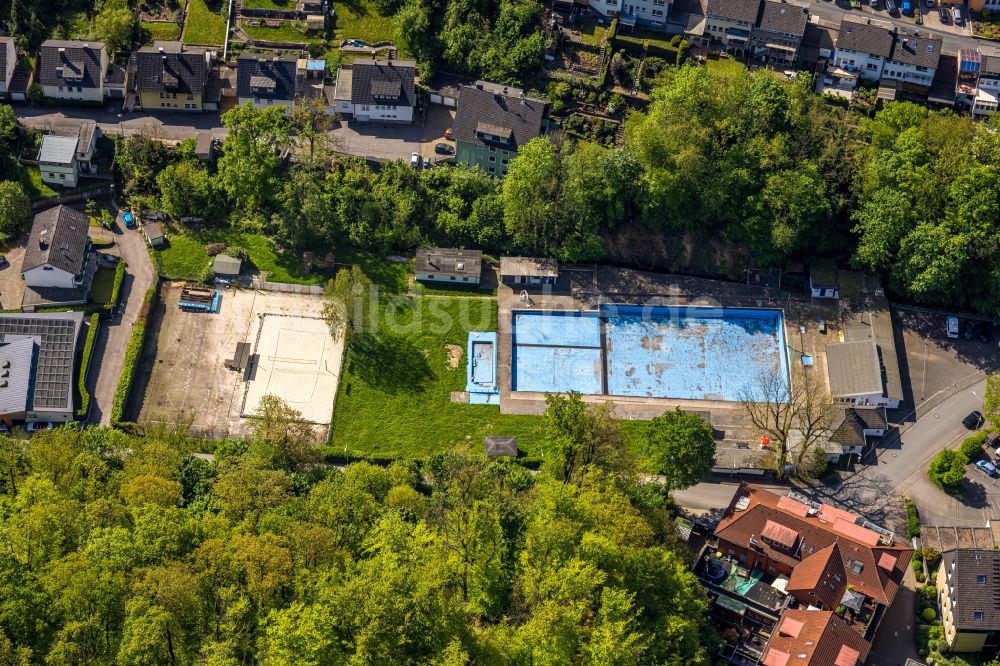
[
  {"x": 60, "y": 175},
  {"x": 380, "y": 112},
  {"x": 11, "y": 64},
  {"x": 74, "y": 93},
  {"x": 267, "y": 103},
  {"x": 49, "y": 276},
  {"x": 866, "y": 65},
  {"x": 895, "y": 71}
]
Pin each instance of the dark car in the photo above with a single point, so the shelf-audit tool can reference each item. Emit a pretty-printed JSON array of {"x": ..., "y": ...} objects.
[
  {"x": 444, "y": 149},
  {"x": 983, "y": 331},
  {"x": 969, "y": 330},
  {"x": 3, "y": 261},
  {"x": 973, "y": 421},
  {"x": 945, "y": 17}
]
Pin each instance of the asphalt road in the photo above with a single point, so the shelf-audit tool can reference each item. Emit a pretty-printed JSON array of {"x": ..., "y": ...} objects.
[{"x": 170, "y": 125}]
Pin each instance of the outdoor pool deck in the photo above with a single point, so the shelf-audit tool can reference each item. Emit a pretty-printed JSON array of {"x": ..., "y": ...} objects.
[{"x": 684, "y": 353}]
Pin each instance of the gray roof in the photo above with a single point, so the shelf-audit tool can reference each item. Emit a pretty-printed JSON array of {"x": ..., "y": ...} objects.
[
  {"x": 854, "y": 368},
  {"x": 736, "y": 10},
  {"x": 882, "y": 333},
  {"x": 172, "y": 67},
  {"x": 991, "y": 65},
  {"x": 274, "y": 73},
  {"x": 849, "y": 424},
  {"x": 62, "y": 59},
  {"x": 16, "y": 361},
  {"x": 4, "y": 41},
  {"x": 394, "y": 81},
  {"x": 56, "y": 334},
  {"x": 864, "y": 36},
  {"x": 500, "y": 446},
  {"x": 784, "y": 18},
  {"x": 84, "y": 129},
  {"x": 529, "y": 266},
  {"x": 449, "y": 261},
  {"x": 489, "y": 109},
  {"x": 58, "y": 238},
  {"x": 969, "y": 595},
  {"x": 917, "y": 47},
  {"x": 58, "y": 149},
  {"x": 226, "y": 265},
  {"x": 152, "y": 231}
]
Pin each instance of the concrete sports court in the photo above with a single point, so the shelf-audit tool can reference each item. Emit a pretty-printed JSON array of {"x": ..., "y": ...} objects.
[
  {"x": 683, "y": 353},
  {"x": 183, "y": 378}
]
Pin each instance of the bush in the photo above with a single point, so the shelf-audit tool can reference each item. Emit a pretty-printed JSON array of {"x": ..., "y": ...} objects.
[
  {"x": 131, "y": 358},
  {"x": 88, "y": 349},
  {"x": 119, "y": 276},
  {"x": 912, "y": 519},
  {"x": 972, "y": 446},
  {"x": 929, "y": 615},
  {"x": 932, "y": 557},
  {"x": 675, "y": 41},
  {"x": 683, "y": 51},
  {"x": 918, "y": 565},
  {"x": 947, "y": 469}
]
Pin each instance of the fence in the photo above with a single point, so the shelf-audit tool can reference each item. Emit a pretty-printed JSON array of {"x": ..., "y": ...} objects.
[
  {"x": 71, "y": 197},
  {"x": 285, "y": 288}
]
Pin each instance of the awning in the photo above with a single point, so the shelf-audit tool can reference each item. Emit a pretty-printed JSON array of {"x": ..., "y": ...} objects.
[
  {"x": 731, "y": 605},
  {"x": 780, "y": 47},
  {"x": 853, "y": 600}
]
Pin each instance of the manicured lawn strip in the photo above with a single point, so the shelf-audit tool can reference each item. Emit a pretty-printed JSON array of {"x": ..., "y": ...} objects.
[
  {"x": 159, "y": 30},
  {"x": 88, "y": 349},
  {"x": 205, "y": 26},
  {"x": 361, "y": 20},
  {"x": 286, "y": 33},
  {"x": 103, "y": 287}
]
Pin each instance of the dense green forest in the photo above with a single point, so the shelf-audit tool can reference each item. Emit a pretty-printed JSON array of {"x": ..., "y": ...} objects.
[{"x": 116, "y": 549}]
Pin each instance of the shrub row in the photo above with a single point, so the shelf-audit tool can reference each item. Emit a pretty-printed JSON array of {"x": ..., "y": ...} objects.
[
  {"x": 119, "y": 276},
  {"x": 132, "y": 357},
  {"x": 912, "y": 519},
  {"x": 88, "y": 349}
]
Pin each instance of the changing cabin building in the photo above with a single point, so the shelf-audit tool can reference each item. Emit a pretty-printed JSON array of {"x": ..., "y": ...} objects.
[
  {"x": 73, "y": 70},
  {"x": 528, "y": 271},
  {"x": 437, "y": 264}
]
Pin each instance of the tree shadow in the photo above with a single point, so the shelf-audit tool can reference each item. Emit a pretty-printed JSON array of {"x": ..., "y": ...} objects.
[
  {"x": 972, "y": 494},
  {"x": 388, "y": 362}
]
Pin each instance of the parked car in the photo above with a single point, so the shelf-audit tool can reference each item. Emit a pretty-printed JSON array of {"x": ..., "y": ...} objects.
[
  {"x": 35, "y": 426},
  {"x": 973, "y": 420},
  {"x": 969, "y": 330},
  {"x": 129, "y": 220},
  {"x": 415, "y": 160},
  {"x": 3, "y": 261},
  {"x": 444, "y": 149},
  {"x": 952, "y": 327},
  {"x": 956, "y": 15},
  {"x": 945, "y": 16},
  {"x": 929, "y": 3},
  {"x": 983, "y": 331},
  {"x": 987, "y": 468},
  {"x": 4, "y": 429}
]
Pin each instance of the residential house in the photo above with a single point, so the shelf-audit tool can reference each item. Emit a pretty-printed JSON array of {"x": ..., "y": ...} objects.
[
  {"x": 37, "y": 354},
  {"x": 86, "y": 132},
  {"x": 978, "y": 84},
  {"x": 438, "y": 264},
  {"x": 266, "y": 80},
  {"x": 864, "y": 46},
  {"x": 854, "y": 429},
  {"x": 729, "y": 23},
  {"x": 58, "y": 264},
  {"x": 815, "y": 638},
  {"x": 492, "y": 122},
  {"x": 652, "y": 13},
  {"x": 57, "y": 161},
  {"x": 856, "y": 374},
  {"x": 171, "y": 75},
  {"x": 8, "y": 61},
  {"x": 914, "y": 59},
  {"x": 377, "y": 90},
  {"x": 779, "y": 31},
  {"x": 528, "y": 271},
  {"x": 72, "y": 70},
  {"x": 968, "y": 590}
]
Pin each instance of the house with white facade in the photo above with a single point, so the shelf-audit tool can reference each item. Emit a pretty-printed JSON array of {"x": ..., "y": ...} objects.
[
  {"x": 73, "y": 70},
  {"x": 863, "y": 47},
  {"x": 857, "y": 375},
  {"x": 377, "y": 90},
  {"x": 914, "y": 59},
  {"x": 853, "y": 430},
  {"x": 57, "y": 160},
  {"x": 266, "y": 80},
  {"x": 652, "y": 13},
  {"x": 986, "y": 90},
  {"x": 58, "y": 265},
  {"x": 8, "y": 61}
]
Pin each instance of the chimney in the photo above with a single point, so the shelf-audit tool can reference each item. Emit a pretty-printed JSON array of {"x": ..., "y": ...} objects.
[
  {"x": 523, "y": 103},
  {"x": 160, "y": 49},
  {"x": 43, "y": 238}
]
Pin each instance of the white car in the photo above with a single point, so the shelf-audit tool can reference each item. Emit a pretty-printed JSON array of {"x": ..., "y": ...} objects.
[
  {"x": 953, "y": 327},
  {"x": 415, "y": 160},
  {"x": 35, "y": 426}
]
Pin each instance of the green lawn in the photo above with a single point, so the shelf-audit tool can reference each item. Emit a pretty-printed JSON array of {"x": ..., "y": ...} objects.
[
  {"x": 590, "y": 32},
  {"x": 185, "y": 258},
  {"x": 36, "y": 189},
  {"x": 726, "y": 67},
  {"x": 269, "y": 4},
  {"x": 102, "y": 287},
  {"x": 205, "y": 24},
  {"x": 659, "y": 43},
  {"x": 361, "y": 20},
  {"x": 394, "y": 397},
  {"x": 166, "y": 31},
  {"x": 286, "y": 33}
]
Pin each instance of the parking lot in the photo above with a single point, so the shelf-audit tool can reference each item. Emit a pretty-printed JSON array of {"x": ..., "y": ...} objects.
[
  {"x": 183, "y": 378},
  {"x": 386, "y": 141}
]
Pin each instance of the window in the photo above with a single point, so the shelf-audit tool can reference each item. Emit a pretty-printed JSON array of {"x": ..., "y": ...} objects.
[
  {"x": 451, "y": 277},
  {"x": 858, "y": 566},
  {"x": 492, "y": 159},
  {"x": 46, "y": 268},
  {"x": 978, "y": 615},
  {"x": 981, "y": 579},
  {"x": 657, "y": 12}
]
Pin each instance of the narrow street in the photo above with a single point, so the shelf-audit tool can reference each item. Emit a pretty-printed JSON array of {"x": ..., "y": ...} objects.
[{"x": 109, "y": 348}]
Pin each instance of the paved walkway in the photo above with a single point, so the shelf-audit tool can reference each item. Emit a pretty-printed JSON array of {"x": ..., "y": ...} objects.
[
  {"x": 109, "y": 348},
  {"x": 894, "y": 643}
]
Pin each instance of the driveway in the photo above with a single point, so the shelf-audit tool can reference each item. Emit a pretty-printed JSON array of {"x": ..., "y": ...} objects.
[
  {"x": 109, "y": 348},
  {"x": 387, "y": 141},
  {"x": 894, "y": 643},
  {"x": 11, "y": 284}
]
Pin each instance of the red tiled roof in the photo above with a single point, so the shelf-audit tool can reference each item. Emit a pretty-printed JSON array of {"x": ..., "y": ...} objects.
[
  {"x": 887, "y": 560},
  {"x": 823, "y": 640},
  {"x": 856, "y": 532},
  {"x": 832, "y": 513},
  {"x": 792, "y": 506},
  {"x": 775, "y": 658},
  {"x": 738, "y": 527},
  {"x": 790, "y": 627},
  {"x": 822, "y": 574},
  {"x": 778, "y": 533}
]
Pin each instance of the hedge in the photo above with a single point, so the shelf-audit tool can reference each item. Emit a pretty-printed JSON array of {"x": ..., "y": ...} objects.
[
  {"x": 88, "y": 349},
  {"x": 972, "y": 446},
  {"x": 132, "y": 357},
  {"x": 912, "y": 519},
  {"x": 119, "y": 276}
]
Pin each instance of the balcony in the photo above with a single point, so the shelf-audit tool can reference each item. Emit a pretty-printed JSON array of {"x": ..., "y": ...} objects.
[{"x": 731, "y": 578}]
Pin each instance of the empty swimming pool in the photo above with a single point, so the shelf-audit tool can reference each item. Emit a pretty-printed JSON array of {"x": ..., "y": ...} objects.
[{"x": 688, "y": 353}]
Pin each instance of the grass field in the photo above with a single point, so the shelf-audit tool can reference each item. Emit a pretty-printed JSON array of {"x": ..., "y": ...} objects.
[
  {"x": 394, "y": 397},
  {"x": 158, "y": 30},
  {"x": 361, "y": 20},
  {"x": 269, "y": 4},
  {"x": 659, "y": 43},
  {"x": 286, "y": 33},
  {"x": 590, "y": 32},
  {"x": 185, "y": 258},
  {"x": 205, "y": 24},
  {"x": 102, "y": 287},
  {"x": 726, "y": 67},
  {"x": 36, "y": 189}
]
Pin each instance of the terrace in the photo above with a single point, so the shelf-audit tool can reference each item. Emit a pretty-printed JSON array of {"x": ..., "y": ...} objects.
[{"x": 727, "y": 576}]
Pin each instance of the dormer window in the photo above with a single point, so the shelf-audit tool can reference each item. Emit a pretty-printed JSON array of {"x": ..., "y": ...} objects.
[{"x": 491, "y": 133}]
